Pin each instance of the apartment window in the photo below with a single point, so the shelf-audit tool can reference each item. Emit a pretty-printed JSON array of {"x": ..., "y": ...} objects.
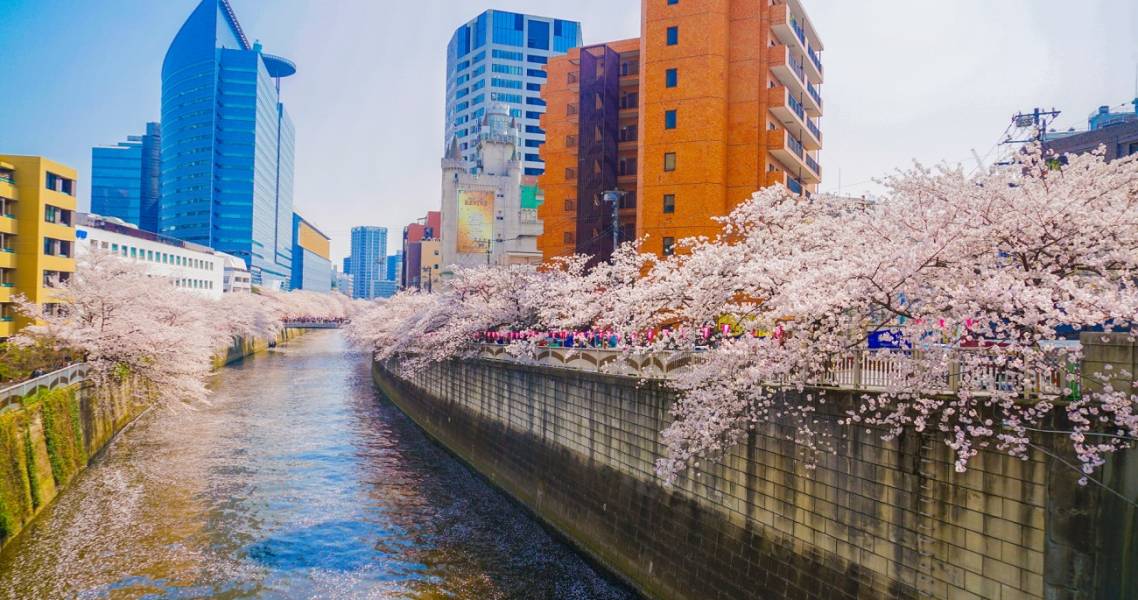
[
  {"x": 54, "y": 247},
  {"x": 53, "y": 214},
  {"x": 568, "y": 238},
  {"x": 570, "y": 205},
  {"x": 570, "y": 174},
  {"x": 673, "y": 35},
  {"x": 626, "y": 166},
  {"x": 669, "y": 161},
  {"x": 54, "y": 278},
  {"x": 60, "y": 184},
  {"x": 570, "y": 109},
  {"x": 570, "y": 141},
  {"x": 669, "y": 119},
  {"x": 669, "y": 246},
  {"x": 671, "y": 78},
  {"x": 669, "y": 203}
]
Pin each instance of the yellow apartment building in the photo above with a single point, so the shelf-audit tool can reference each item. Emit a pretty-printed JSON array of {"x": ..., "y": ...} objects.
[{"x": 37, "y": 232}]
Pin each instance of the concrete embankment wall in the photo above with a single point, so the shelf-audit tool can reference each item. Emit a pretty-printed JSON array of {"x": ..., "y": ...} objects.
[
  {"x": 874, "y": 519},
  {"x": 54, "y": 434}
]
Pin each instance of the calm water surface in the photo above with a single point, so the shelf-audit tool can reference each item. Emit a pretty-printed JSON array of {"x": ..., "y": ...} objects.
[{"x": 296, "y": 480}]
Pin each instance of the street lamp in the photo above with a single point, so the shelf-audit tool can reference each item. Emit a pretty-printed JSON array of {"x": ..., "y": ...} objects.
[{"x": 614, "y": 196}]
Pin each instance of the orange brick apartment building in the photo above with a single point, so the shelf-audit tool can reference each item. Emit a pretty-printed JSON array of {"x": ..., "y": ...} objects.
[{"x": 727, "y": 103}]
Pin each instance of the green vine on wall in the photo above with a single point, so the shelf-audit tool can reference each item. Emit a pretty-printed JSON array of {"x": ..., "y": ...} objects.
[{"x": 62, "y": 433}]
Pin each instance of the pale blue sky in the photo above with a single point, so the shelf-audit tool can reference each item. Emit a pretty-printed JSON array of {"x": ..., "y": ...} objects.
[{"x": 905, "y": 79}]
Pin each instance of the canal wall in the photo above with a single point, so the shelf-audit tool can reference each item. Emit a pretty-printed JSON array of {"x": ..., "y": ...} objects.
[
  {"x": 872, "y": 519},
  {"x": 54, "y": 433}
]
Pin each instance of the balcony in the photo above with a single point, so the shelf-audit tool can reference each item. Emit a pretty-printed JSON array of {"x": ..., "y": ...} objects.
[
  {"x": 816, "y": 96},
  {"x": 812, "y": 127},
  {"x": 814, "y": 64},
  {"x": 791, "y": 113},
  {"x": 790, "y": 28},
  {"x": 786, "y": 180},
  {"x": 787, "y": 27},
  {"x": 7, "y": 187},
  {"x": 7, "y": 258},
  {"x": 7, "y": 290},
  {"x": 8, "y": 224},
  {"x": 7, "y": 329},
  {"x": 789, "y": 151},
  {"x": 787, "y": 68}
]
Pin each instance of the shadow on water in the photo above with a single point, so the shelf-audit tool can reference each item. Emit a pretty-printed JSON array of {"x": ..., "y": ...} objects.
[{"x": 297, "y": 480}]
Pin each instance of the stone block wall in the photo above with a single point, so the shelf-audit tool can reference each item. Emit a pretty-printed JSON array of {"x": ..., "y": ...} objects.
[{"x": 872, "y": 519}]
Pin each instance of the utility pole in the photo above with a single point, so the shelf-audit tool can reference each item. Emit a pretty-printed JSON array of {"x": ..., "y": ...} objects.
[{"x": 1026, "y": 128}]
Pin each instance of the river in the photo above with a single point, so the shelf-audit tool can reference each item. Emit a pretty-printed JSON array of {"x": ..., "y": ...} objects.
[{"x": 296, "y": 480}]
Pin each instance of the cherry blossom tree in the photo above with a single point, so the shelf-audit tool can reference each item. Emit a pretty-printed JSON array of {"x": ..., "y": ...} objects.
[
  {"x": 976, "y": 278},
  {"x": 124, "y": 321}
]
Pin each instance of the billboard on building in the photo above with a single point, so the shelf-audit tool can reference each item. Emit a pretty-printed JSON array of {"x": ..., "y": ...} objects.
[{"x": 475, "y": 220}]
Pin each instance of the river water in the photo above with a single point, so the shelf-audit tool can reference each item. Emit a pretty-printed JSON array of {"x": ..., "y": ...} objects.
[{"x": 296, "y": 480}]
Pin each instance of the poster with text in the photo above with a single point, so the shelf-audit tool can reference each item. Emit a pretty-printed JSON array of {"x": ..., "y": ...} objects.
[{"x": 475, "y": 220}]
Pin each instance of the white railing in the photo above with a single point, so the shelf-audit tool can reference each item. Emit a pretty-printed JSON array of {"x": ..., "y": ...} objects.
[
  {"x": 869, "y": 371},
  {"x": 66, "y": 376}
]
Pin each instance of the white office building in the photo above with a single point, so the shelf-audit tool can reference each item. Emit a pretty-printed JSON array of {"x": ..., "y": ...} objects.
[
  {"x": 237, "y": 277},
  {"x": 192, "y": 267}
]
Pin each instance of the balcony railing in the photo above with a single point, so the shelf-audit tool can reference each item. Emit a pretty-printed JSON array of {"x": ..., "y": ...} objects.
[
  {"x": 793, "y": 185},
  {"x": 813, "y": 91},
  {"x": 797, "y": 66},
  {"x": 799, "y": 31},
  {"x": 794, "y": 145},
  {"x": 796, "y": 106},
  {"x": 813, "y": 164},
  {"x": 814, "y": 58},
  {"x": 66, "y": 376},
  {"x": 8, "y": 179},
  {"x": 814, "y": 129}
]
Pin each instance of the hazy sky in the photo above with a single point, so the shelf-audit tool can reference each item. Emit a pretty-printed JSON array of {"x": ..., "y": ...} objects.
[{"x": 905, "y": 79}]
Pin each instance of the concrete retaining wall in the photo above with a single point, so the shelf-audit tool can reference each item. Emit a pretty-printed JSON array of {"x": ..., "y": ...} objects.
[{"x": 872, "y": 520}]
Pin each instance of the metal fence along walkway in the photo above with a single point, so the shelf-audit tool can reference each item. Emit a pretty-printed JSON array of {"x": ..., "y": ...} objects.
[{"x": 69, "y": 375}]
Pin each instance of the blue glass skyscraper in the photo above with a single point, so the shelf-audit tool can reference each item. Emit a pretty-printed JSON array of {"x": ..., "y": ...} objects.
[
  {"x": 227, "y": 144},
  {"x": 125, "y": 179},
  {"x": 500, "y": 57},
  {"x": 369, "y": 260},
  {"x": 394, "y": 266}
]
